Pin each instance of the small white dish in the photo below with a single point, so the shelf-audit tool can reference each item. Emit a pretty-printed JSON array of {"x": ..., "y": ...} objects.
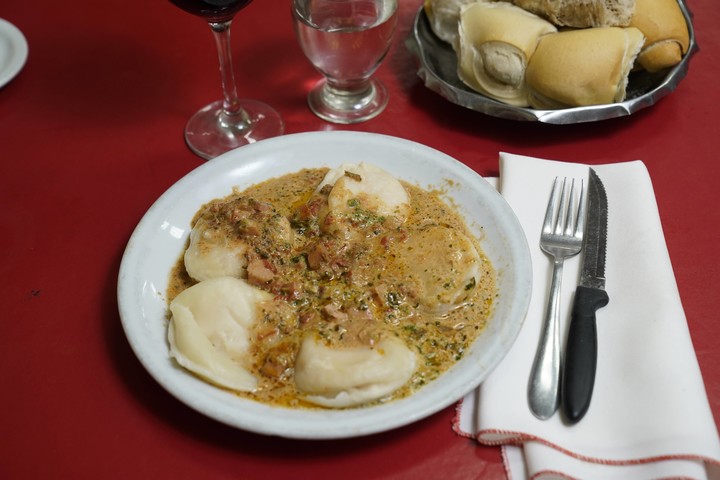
[
  {"x": 161, "y": 236},
  {"x": 13, "y": 51}
]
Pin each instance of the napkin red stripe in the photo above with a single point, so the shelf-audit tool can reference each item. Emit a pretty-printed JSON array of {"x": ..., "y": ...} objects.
[
  {"x": 506, "y": 464},
  {"x": 518, "y": 438},
  {"x": 554, "y": 473}
]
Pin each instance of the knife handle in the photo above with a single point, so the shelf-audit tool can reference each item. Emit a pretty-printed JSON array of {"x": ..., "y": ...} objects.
[{"x": 578, "y": 376}]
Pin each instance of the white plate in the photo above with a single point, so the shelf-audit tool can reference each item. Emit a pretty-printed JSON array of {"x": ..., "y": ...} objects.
[
  {"x": 13, "y": 51},
  {"x": 160, "y": 237}
]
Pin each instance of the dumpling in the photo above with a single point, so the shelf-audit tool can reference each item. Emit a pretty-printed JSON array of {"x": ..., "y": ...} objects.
[
  {"x": 345, "y": 377},
  {"x": 367, "y": 186},
  {"x": 441, "y": 265},
  {"x": 210, "y": 328},
  {"x": 226, "y": 232},
  {"x": 210, "y": 255}
]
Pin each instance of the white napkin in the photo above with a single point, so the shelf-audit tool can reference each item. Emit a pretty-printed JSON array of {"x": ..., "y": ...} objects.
[{"x": 649, "y": 416}]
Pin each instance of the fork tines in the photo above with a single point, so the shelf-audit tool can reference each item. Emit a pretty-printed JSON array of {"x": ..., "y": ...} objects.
[{"x": 565, "y": 222}]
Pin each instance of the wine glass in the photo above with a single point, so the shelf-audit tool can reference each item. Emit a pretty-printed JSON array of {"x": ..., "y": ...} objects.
[
  {"x": 346, "y": 40},
  {"x": 231, "y": 122}
]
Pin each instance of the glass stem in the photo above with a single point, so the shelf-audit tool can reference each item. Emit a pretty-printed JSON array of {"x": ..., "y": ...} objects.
[{"x": 232, "y": 110}]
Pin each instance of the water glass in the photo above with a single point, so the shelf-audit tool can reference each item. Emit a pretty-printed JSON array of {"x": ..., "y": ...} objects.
[{"x": 346, "y": 40}]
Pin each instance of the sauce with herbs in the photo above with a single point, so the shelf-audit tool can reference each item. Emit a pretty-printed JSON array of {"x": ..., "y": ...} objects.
[{"x": 348, "y": 286}]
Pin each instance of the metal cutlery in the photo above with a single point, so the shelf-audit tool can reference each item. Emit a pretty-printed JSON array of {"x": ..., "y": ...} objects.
[
  {"x": 561, "y": 237},
  {"x": 580, "y": 361}
]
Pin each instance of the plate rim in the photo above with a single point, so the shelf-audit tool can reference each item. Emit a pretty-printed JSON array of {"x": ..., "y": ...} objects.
[
  {"x": 19, "y": 54},
  {"x": 354, "y": 419}
]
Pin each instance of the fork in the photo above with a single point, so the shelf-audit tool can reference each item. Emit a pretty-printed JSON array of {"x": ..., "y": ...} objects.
[{"x": 561, "y": 237}]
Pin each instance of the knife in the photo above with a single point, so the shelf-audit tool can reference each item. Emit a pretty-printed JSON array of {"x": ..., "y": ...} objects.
[{"x": 578, "y": 376}]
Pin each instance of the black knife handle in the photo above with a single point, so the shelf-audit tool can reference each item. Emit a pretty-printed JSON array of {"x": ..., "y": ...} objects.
[{"x": 578, "y": 376}]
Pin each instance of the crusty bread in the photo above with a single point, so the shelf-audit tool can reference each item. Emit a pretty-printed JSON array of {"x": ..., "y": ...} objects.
[
  {"x": 444, "y": 16},
  {"x": 582, "y": 67},
  {"x": 495, "y": 42},
  {"x": 582, "y": 13},
  {"x": 663, "y": 24}
]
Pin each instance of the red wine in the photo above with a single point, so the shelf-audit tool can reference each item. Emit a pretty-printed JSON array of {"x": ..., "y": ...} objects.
[{"x": 213, "y": 11}]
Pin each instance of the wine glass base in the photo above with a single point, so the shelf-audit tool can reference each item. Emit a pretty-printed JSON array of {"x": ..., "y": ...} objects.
[
  {"x": 339, "y": 107},
  {"x": 210, "y": 132}
]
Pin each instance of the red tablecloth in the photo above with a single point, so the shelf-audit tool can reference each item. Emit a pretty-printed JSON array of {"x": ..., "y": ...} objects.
[{"x": 91, "y": 135}]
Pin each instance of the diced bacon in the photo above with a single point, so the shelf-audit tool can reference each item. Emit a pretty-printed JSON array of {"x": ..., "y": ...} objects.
[
  {"x": 306, "y": 318},
  {"x": 251, "y": 229},
  {"x": 259, "y": 271},
  {"x": 265, "y": 334},
  {"x": 333, "y": 312},
  {"x": 330, "y": 219},
  {"x": 260, "y": 206},
  {"x": 357, "y": 315},
  {"x": 238, "y": 214},
  {"x": 310, "y": 209},
  {"x": 288, "y": 291},
  {"x": 279, "y": 359},
  {"x": 315, "y": 257}
]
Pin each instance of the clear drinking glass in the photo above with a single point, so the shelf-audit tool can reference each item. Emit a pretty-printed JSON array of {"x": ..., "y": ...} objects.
[
  {"x": 231, "y": 122},
  {"x": 346, "y": 40}
]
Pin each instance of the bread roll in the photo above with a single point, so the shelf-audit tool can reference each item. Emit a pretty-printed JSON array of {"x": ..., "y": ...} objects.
[
  {"x": 443, "y": 16},
  {"x": 495, "y": 43},
  {"x": 582, "y": 13},
  {"x": 663, "y": 24},
  {"x": 582, "y": 67}
]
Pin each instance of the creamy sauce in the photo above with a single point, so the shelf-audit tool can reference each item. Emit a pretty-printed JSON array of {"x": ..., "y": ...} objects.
[{"x": 348, "y": 288}]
